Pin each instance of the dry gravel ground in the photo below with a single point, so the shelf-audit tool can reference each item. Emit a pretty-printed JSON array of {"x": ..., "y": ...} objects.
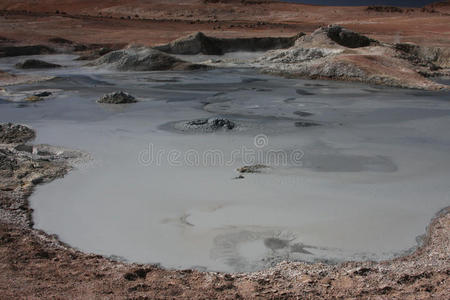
[{"x": 35, "y": 265}]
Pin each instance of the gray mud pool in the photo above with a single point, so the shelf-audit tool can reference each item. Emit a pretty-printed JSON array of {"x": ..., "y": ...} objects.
[{"x": 363, "y": 183}]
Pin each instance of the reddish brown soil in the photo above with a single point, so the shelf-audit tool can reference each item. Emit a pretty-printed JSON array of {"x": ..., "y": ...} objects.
[{"x": 155, "y": 22}]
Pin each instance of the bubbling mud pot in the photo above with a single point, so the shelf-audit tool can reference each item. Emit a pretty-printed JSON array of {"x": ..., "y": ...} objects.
[{"x": 364, "y": 184}]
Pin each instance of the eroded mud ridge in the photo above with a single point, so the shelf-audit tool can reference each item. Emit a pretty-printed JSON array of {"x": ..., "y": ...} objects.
[
  {"x": 334, "y": 52},
  {"x": 35, "y": 264}
]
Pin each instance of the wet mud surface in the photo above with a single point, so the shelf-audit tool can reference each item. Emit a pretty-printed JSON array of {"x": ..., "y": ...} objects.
[{"x": 358, "y": 186}]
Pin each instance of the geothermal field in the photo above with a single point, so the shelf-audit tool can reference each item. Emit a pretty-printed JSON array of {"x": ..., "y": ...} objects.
[{"x": 224, "y": 150}]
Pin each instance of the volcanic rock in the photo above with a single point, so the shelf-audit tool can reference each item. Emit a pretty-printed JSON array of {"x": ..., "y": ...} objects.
[
  {"x": 345, "y": 37},
  {"x": 15, "y": 133}
]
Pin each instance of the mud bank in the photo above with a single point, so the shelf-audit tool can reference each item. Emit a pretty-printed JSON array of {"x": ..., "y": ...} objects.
[{"x": 34, "y": 264}]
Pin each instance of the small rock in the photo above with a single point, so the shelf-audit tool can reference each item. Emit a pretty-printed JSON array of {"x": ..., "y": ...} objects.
[
  {"x": 141, "y": 273},
  {"x": 228, "y": 277},
  {"x": 117, "y": 98},
  {"x": 138, "y": 273},
  {"x": 37, "y": 180},
  {"x": 130, "y": 276},
  {"x": 303, "y": 113},
  {"x": 44, "y": 254},
  {"x": 43, "y": 94},
  {"x": 33, "y": 98},
  {"x": 362, "y": 271},
  {"x": 306, "y": 124},
  {"x": 43, "y": 153},
  {"x": 24, "y": 148}
]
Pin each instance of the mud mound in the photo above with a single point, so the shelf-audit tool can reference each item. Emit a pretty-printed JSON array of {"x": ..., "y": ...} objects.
[
  {"x": 252, "y": 169},
  {"x": 143, "y": 59},
  {"x": 15, "y": 133},
  {"x": 334, "y": 52},
  {"x": 36, "y": 64},
  {"x": 200, "y": 43},
  {"x": 205, "y": 125},
  {"x": 117, "y": 98}
]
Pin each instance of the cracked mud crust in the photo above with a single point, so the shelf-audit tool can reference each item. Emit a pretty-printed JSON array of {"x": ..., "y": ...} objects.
[{"x": 34, "y": 264}]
